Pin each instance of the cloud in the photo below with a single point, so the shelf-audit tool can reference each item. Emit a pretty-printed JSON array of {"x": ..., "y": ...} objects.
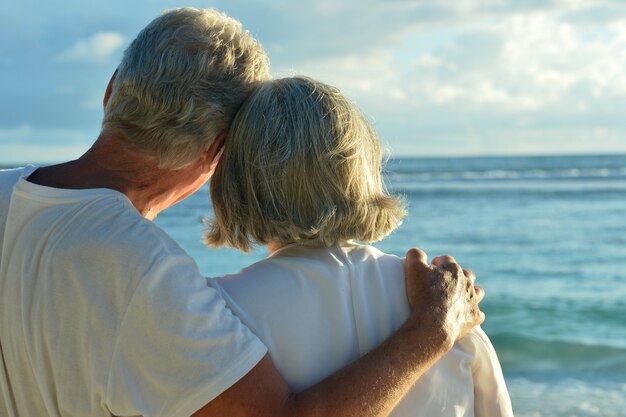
[
  {"x": 298, "y": 30},
  {"x": 519, "y": 63},
  {"x": 524, "y": 82},
  {"x": 98, "y": 48},
  {"x": 473, "y": 76}
]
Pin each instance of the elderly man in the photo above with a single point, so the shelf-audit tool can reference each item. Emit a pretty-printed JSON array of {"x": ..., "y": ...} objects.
[{"x": 104, "y": 314}]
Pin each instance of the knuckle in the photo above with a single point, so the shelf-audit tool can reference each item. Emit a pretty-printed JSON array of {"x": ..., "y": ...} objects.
[
  {"x": 443, "y": 259},
  {"x": 447, "y": 259},
  {"x": 470, "y": 274},
  {"x": 480, "y": 292},
  {"x": 453, "y": 268}
]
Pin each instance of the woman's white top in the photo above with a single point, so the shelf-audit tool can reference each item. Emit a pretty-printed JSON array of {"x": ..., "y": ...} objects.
[{"x": 318, "y": 309}]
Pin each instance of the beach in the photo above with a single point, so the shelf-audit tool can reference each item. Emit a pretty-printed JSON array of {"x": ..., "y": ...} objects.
[{"x": 546, "y": 237}]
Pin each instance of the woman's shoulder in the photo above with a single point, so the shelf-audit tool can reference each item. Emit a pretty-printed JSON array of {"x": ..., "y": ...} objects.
[
  {"x": 361, "y": 251},
  {"x": 314, "y": 267},
  {"x": 366, "y": 257},
  {"x": 260, "y": 278}
]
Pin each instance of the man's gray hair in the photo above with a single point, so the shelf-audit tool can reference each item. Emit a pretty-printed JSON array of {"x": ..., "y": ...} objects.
[
  {"x": 181, "y": 82},
  {"x": 300, "y": 164}
]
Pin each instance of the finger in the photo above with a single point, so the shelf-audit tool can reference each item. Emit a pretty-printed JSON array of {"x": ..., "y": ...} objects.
[
  {"x": 480, "y": 293},
  {"x": 447, "y": 259},
  {"x": 469, "y": 274},
  {"x": 481, "y": 318},
  {"x": 451, "y": 267},
  {"x": 417, "y": 260},
  {"x": 417, "y": 278},
  {"x": 418, "y": 255}
]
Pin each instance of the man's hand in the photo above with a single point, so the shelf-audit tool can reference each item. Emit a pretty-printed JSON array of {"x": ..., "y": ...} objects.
[{"x": 442, "y": 295}]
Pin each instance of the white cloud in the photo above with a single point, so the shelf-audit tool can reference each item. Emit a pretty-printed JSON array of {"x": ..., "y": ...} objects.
[
  {"x": 98, "y": 48},
  {"x": 442, "y": 93},
  {"x": 526, "y": 81},
  {"x": 523, "y": 62},
  {"x": 359, "y": 75},
  {"x": 428, "y": 61},
  {"x": 477, "y": 75}
]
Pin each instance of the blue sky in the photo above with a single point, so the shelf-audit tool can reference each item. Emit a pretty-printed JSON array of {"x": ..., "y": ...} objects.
[{"x": 440, "y": 77}]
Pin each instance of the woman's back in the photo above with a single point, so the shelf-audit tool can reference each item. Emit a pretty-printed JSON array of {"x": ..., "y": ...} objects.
[{"x": 318, "y": 309}]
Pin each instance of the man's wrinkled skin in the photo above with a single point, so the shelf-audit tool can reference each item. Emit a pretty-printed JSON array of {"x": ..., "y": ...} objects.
[{"x": 447, "y": 285}]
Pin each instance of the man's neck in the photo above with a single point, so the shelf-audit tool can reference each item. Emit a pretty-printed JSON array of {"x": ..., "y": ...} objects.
[{"x": 109, "y": 164}]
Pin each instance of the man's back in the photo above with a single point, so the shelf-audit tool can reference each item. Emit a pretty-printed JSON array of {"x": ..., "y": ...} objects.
[{"x": 95, "y": 306}]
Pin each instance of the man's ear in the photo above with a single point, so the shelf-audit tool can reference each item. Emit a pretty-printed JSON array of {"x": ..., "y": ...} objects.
[
  {"x": 109, "y": 90},
  {"x": 214, "y": 153}
]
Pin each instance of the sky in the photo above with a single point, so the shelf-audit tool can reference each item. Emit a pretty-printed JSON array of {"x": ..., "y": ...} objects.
[{"x": 436, "y": 77}]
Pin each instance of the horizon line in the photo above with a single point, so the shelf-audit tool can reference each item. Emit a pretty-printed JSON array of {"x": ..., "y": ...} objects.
[{"x": 409, "y": 156}]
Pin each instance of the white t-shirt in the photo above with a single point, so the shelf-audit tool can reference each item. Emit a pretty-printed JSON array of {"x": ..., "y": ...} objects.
[
  {"x": 101, "y": 313},
  {"x": 318, "y": 309}
]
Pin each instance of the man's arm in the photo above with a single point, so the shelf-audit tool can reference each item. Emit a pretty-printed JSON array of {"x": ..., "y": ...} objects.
[{"x": 444, "y": 305}]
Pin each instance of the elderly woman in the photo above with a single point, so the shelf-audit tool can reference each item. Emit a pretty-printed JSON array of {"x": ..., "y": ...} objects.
[{"x": 301, "y": 173}]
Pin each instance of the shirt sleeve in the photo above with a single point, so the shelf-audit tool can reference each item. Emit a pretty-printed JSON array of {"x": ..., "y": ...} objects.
[
  {"x": 178, "y": 346},
  {"x": 491, "y": 397}
]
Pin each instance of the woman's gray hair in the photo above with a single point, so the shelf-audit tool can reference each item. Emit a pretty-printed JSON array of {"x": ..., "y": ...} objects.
[
  {"x": 300, "y": 163},
  {"x": 181, "y": 82}
]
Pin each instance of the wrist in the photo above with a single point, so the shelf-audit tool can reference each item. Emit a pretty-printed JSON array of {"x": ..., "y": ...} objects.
[{"x": 428, "y": 331}]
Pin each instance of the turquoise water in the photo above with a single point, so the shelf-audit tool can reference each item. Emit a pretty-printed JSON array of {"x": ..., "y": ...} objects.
[{"x": 546, "y": 237}]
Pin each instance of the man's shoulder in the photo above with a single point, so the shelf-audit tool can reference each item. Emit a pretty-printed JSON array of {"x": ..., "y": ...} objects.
[
  {"x": 7, "y": 174},
  {"x": 127, "y": 232},
  {"x": 9, "y": 177},
  {"x": 15, "y": 171},
  {"x": 106, "y": 231}
]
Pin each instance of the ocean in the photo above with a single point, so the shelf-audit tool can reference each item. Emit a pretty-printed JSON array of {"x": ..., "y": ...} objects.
[{"x": 546, "y": 237}]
